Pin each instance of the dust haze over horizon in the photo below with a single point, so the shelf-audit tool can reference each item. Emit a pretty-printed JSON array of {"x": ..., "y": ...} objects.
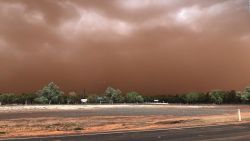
[{"x": 150, "y": 46}]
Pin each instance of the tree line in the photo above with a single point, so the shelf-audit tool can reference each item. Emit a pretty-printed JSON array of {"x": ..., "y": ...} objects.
[{"x": 51, "y": 94}]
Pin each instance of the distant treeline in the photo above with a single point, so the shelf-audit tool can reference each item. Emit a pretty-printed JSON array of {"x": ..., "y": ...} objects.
[{"x": 51, "y": 94}]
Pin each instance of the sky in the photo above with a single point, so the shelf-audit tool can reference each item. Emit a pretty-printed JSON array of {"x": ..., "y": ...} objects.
[{"x": 150, "y": 46}]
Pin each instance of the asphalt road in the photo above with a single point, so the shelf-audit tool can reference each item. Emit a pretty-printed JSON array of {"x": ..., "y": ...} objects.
[
  {"x": 121, "y": 111},
  {"x": 239, "y": 132}
]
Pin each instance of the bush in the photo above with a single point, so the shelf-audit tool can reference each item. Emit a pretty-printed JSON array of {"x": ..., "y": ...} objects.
[
  {"x": 134, "y": 97},
  {"x": 113, "y": 95},
  {"x": 41, "y": 100},
  {"x": 27, "y": 98},
  {"x": 231, "y": 97},
  {"x": 8, "y": 98},
  {"x": 93, "y": 99},
  {"x": 245, "y": 95},
  {"x": 51, "y": 92},
  {"x": 192, "y": 97},
  {"x": 195, "y": 97},
  {"x": 71, "y": 97},
  {"x": 148, "y": 98},
  {"x": 216, "y": 97}
]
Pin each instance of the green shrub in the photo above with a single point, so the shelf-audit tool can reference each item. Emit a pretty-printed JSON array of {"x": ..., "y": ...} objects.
[{"x": 134, "y": 97}]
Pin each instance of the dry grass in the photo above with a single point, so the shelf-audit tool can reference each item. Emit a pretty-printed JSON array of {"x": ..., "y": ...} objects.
[{"x": 95, "y": 124}]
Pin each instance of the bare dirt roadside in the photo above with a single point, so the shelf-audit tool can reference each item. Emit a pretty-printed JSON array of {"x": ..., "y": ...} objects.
[{"x": 95, "y": 124}]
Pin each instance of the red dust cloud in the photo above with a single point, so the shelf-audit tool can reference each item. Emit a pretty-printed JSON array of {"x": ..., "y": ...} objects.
[{"x": 154, "y": 47}]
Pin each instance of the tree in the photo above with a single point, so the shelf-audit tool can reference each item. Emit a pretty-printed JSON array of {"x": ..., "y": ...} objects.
[
  {"x": 192, "y": 97},
  {"x": 61, "y": 99},
  {"x": 41, "y": 100},
  {"x": 231, "y": 97},
  {"x": 26, "y": 98},
  {"x": 93, "y": 99},
  {"x": 8, "y": 98},
  {"x": 1, "y": 99},
  {"x": 238, "y": 96},
  {"x": 134, "y": 97},
  {"x": 216, "y": 96},
  {"x": 161, "y": 98},
  {"x": 177, "y": 99},
  {"x": 113, "y": 95},
  {"x": 71, "y": 97},
  {"x": 51, "y": 92},
  {"x": 148, "y": 98},
  {"x": 203, "y": 98},
  {"x": 245, "y": 96}
]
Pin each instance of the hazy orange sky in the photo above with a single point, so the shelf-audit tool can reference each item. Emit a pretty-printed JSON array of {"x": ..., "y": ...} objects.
[{"x": 150, "y": 46}]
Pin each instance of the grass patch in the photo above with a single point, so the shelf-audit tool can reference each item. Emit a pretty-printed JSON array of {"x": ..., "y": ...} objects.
[
  {"x": 57, "y": 124},
  {"x": 69, "y": 124},
  {"x": 246, "y": 119},
  {"x": 176, "y": 121},
  {"x": 78, "y": 128},
  {"x": 2, "y": 132}
]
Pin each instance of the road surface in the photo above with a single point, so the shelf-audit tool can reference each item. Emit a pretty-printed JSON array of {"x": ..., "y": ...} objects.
[
  {"x": 134, "y": 110},
  {"x": 240, "y": 132}
]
